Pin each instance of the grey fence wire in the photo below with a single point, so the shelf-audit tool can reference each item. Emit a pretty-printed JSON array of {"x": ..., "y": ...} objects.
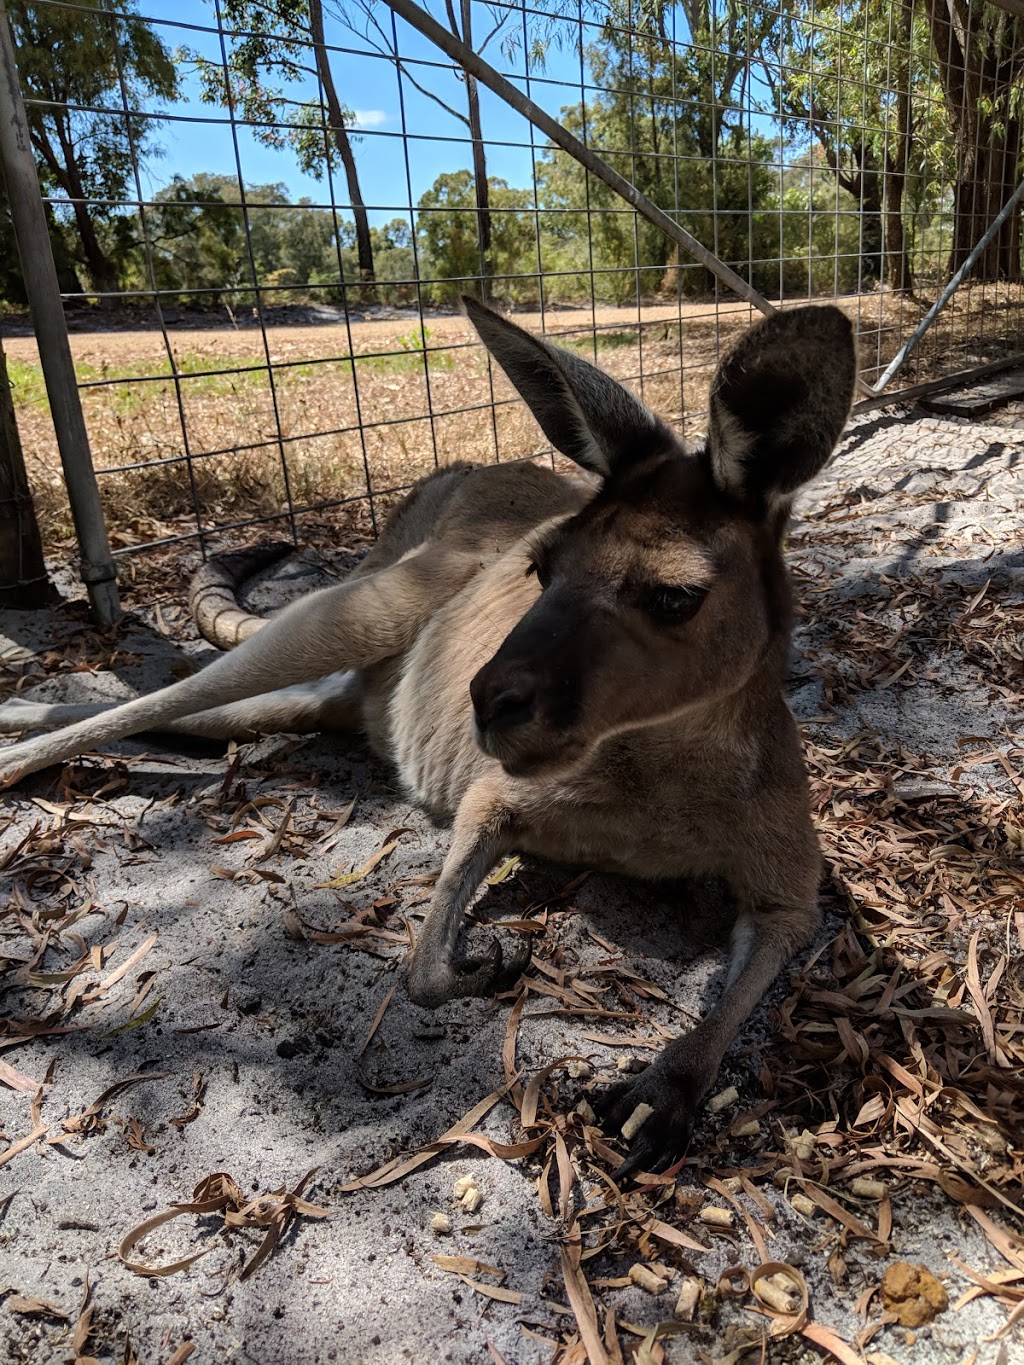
[{"x": 818, "y": 152}]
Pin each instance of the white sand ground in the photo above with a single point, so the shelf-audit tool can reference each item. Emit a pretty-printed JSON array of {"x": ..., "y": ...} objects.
[{"x": 273, "y": 1023}]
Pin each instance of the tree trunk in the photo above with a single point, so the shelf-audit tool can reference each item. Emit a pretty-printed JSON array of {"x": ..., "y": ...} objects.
[
  {"x": 897, "y": 257},
  {"x": 102, "y": 272},
  {"x": 863, "y": 182},
  {"x": 871, "y": 231},
  {"x": 987, "y": 178},
  {"x": 481, "y": 189},
  {"x": 342, "y": 142},
  {"x": 976, "y": 49},
  {"x": 23, "y": 580},
  {"x": 67, "y": 275},
  {"x": 898, "y": 266}
]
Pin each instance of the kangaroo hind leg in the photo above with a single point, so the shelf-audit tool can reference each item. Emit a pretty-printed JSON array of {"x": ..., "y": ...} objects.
[
  {"x": 351, "y": 626},
  {"x": 330, "y": 703}
]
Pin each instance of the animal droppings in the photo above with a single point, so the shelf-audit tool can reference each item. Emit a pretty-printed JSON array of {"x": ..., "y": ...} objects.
[{"x": 913, "y": 1293}]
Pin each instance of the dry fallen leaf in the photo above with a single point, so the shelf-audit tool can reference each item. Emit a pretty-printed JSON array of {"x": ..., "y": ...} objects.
[
  {"x": 349, "y": 878},
  {"x": 219, "y": 1193},
  {"x": 26, "y": 1306}
]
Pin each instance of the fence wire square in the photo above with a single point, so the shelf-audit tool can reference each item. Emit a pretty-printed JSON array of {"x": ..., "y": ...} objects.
[{"x": 265, "y": 325}]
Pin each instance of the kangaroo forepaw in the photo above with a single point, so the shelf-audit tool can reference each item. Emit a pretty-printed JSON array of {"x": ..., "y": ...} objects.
[
  {"x": 433, "y": 982},
  {"x": 664, "y": 1135}
]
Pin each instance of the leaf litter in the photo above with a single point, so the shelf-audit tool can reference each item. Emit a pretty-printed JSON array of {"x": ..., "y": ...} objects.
[{"x": 901, "y": 1046}]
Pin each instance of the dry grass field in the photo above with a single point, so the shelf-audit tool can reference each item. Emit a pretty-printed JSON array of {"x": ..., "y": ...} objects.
[{"x": 231, "y": 426}]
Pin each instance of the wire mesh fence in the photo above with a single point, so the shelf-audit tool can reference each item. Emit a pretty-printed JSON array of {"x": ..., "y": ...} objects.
[{"x": 264, "y": 319}]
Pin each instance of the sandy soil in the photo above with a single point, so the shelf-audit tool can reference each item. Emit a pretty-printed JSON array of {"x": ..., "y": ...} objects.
[
  {"x": 373, "y": 332},
  {"x": 147, "y": 942}
]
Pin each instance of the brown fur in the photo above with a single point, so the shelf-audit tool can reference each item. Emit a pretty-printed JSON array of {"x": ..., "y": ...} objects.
[{"x": 589, "y": 675}]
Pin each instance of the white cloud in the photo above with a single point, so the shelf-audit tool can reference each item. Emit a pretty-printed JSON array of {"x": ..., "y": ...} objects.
[{"x": 369, "y": 118}]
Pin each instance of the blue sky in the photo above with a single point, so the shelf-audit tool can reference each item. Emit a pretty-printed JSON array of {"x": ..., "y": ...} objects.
[{"x": 369, "y": 86}]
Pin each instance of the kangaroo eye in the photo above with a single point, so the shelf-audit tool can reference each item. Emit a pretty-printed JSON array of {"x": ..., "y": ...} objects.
[
  {"x": 673, "y": 605},
  {"x": 536, "y": 567}
]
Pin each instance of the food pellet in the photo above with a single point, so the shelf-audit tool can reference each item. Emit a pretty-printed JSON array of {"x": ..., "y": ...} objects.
[
  {"x": 690, "y": 1293},
  {"x": 643, "y": 1276},
  {"x": 778, "y": 1292},
  {"x": 723, "y": 1099},
  {"x": 636, "y": 1121},
  {"x": 472, "y": 1199},
  {"x": 868, "y": 1189}
]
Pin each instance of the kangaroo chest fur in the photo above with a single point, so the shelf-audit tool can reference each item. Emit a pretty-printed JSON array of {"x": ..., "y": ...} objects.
[{"x": 656, "y": 802}]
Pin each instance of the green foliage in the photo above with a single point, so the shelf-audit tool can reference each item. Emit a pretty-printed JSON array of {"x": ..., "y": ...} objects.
[
  {"x": 94, "y": 55},
  {"x": 197, "y": 240},
  {"x": 447, "y": 235},
  {"x": 860, "y": 86},
  {"x": 269, "y": 60},
  {"x": 273, "y": 54},
  {"x": 650, "y": 124},
  {"x": 199, "y": 252}
]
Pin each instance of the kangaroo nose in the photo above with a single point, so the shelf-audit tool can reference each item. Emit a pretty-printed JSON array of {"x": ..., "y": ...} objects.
[{"x": 504, "y": 707}]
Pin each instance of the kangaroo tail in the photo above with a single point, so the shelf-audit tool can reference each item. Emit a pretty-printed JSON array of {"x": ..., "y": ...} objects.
[{"x": 212, "y": 594}]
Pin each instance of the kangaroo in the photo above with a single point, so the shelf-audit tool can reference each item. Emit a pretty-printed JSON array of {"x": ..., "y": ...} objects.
[{"x": 584, "y": 668}]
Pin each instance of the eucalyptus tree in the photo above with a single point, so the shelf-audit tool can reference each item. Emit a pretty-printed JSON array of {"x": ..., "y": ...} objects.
[
  {"x": 857, "y": 77},
  {"x": 979, "y": 52},
  {"x": 669, "y": 108},
  {"x": 81, "y": 66},
  {"x": 480, "y": 26},
  {"x": 274, "y": 50}
]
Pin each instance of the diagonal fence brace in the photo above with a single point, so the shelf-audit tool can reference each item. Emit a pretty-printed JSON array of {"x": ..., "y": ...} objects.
[
  {"x": 470, "y": 61},
  {"x": 420, "y": 20},
  {"x": 954, "y": 284}
]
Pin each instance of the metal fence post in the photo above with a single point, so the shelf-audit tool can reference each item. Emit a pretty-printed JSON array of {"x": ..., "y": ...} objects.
[
  {"x": 23, "y": 580},
  {"x": 40, "y": 273}
]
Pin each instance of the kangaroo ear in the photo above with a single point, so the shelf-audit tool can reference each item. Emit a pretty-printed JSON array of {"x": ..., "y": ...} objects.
[
  {"x": 779, "y": 402},
  {"x": 584, "y": 413}
]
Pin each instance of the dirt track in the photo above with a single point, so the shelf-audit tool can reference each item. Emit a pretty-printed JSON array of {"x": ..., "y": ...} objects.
[{"x": 118, "y": 347}]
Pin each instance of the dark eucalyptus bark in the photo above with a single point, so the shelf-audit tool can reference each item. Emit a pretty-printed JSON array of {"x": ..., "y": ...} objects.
[
  {"x": 23, "y": 580},
  {"x": 342, "y": 143}
]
